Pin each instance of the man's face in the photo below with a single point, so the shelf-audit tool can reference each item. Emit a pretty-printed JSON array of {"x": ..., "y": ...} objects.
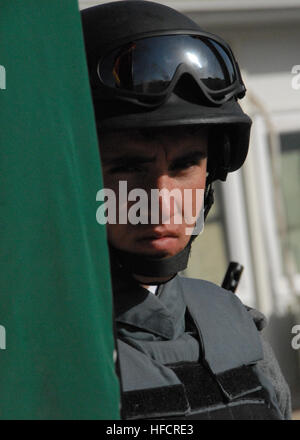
[{"x": 170, "y": 158}]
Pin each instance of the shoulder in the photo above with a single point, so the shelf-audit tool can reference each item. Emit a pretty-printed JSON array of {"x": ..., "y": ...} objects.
[
  {"x": 268, "y": 365},
  {"x": 212, "y": 294},
  {"x": 229, "y": 336},
  {"x": 203, "y": 286},
  {"x": 219, "y": 301}
]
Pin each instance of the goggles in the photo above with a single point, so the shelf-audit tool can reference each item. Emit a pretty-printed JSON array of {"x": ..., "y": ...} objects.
[{"x": 148, "y": 69}]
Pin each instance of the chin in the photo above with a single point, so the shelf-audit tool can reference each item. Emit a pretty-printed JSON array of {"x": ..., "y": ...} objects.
[
  {"x": 159, "y": 247},
  {"x": 156, "y": 252}
]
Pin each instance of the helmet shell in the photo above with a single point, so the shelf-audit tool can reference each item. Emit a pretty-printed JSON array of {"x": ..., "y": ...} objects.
[{"x": 111, "y": 24}]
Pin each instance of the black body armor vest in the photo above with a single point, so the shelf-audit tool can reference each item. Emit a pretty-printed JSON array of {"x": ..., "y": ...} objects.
[{"x": 219, "y": 381}]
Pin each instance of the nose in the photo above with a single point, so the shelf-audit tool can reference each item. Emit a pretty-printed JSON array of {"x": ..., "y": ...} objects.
[
  {"x": 166, "y": 199},
  {"x": 165, "y": 181}
]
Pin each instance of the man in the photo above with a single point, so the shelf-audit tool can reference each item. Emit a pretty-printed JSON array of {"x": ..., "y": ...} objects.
[{"x": 165, "y": 95}]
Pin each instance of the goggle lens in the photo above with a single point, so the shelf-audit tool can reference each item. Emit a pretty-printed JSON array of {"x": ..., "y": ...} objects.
[{"x": 147, "y": 66}]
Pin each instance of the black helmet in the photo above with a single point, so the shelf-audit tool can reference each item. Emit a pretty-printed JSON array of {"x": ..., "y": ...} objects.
[
  {"x": 150, "y": 66},
  {"x": 117, "y": 32}
]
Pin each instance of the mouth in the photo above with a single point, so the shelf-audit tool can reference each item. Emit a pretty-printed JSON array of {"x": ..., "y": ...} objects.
[
  {"x": 157, "y": 235},
  {"x": 159, "y": 241}
]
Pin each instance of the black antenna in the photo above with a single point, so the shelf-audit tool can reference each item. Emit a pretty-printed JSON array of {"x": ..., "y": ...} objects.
[{"x": 232, "y": 276}]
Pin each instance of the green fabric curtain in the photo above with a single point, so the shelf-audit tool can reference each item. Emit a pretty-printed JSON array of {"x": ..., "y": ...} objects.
[{"x": 55, "y": 289}]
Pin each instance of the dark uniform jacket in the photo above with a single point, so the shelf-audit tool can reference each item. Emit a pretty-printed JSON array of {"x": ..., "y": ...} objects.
[{"x": 194, "y": 351}]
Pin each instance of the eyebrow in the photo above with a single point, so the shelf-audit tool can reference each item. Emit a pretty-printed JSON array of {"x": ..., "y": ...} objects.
[
  {"x": 136, "y": 159},
  {"x": 192, "y": 156},
  {"x": 128, "y": 158}
]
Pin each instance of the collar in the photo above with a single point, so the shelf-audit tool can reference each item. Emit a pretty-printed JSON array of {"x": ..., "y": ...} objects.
[{"x": 161, "y": 314}]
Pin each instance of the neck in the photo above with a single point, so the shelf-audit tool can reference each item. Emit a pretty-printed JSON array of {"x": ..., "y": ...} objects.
[{"x": 150, "y": 281}]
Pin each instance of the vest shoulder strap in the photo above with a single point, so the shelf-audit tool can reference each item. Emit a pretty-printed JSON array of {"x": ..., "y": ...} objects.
[{"x": 228, "y": 334}]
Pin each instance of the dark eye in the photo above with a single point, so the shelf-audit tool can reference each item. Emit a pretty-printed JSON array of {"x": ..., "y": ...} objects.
[
  {"x": 185, "y": 164},
  {"x": 190, "y": 163}
]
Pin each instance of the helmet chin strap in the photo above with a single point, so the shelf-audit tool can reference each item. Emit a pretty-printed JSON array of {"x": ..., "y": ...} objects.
[
  {"x": 159, "y": 267},
  {"x": 152, "y": 267}
]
